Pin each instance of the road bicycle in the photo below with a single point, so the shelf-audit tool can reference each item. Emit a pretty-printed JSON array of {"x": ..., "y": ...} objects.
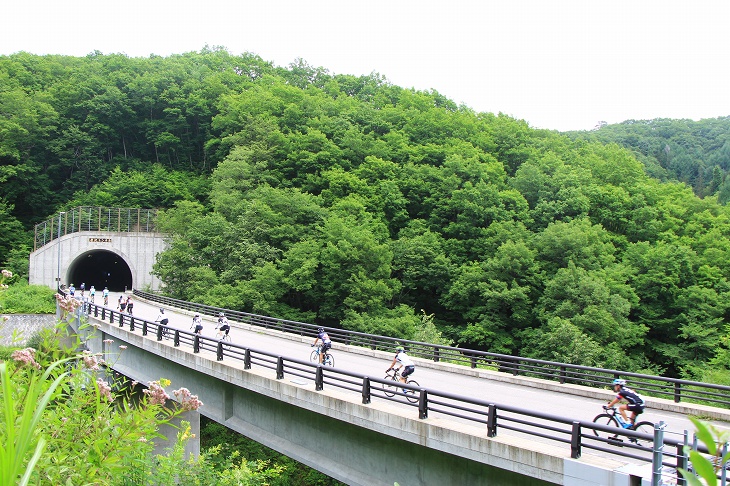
[
  {"x": 391, "y": 389},
  {"x": 222, "y": 335},
  {"x": 613, "y": 417},
  {"x": 166, "y": 332},
  {"x": 328, "y": 360}
]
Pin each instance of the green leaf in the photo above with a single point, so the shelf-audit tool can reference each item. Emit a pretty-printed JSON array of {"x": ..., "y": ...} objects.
[
  {"x": 691, "y": 478},
  {"x": 703, "y": 467},
  {"x": 705, "y": 435}
]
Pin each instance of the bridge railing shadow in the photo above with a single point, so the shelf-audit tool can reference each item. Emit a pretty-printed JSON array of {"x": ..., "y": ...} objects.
[
  {"x": 491, "y": 416},
  {"x": 657, "y": 386}
]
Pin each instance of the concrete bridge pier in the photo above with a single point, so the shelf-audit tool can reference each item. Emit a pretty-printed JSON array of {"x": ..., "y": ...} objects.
[{"x": 171, "y": 431}]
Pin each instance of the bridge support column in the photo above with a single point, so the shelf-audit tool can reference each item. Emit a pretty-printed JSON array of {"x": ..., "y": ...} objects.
[{"x": 171, "y": 431}]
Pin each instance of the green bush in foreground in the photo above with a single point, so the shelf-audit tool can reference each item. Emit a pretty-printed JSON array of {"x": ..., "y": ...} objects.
[
  {"x": 66, "y": 419},
  {"x": 706, "y": 469},
  {"x": 21, "y": 298}
]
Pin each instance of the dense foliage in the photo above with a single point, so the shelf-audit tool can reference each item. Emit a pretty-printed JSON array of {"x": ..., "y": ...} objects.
[
  {"x": 22, "y": 298},
  {"x": 694, "y": 152},
  {"x": 348, "y": 201},
  {"x": 230, "y": 443},
  {"x": 65, "y": 419}
]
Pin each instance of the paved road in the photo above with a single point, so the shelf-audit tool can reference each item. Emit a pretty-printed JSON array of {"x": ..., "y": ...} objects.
[{"x": 573, "y": 407}]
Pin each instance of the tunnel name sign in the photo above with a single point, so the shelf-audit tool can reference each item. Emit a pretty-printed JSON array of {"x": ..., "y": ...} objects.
[{"x": 100, "y": 240}]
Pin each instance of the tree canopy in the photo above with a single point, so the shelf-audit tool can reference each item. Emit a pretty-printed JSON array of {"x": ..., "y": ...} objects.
[{"x": 348, "y": 201}]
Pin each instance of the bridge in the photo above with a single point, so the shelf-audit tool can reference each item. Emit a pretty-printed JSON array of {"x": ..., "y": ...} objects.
[
  {"x": 103, "y": 247},
  {"x": 468, "y": 424}
]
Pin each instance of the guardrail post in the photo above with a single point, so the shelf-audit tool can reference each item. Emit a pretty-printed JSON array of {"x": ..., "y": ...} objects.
[
  {"x": 219, "y": 351},
  {"x": 657, "y": 451},
  {"x": 159, "y": 333},
  {"x": 677, "y": 392},
  {"x": 372, "y": 346},
  {"x": 111, "y": 317},
  {"x": 318, "y": 377},
  {"x": 366, "y": 390},
  {"x": 96, "y": 311},
  {"x": 144, "y": 328},
  {"x": 196, "y": 343},
  {"x": 280, "y": 368},
  {"x": 515, "y": 367},
  {"x": 492, "y": 421},
  {"x": 436, "y": 354},
  {"x": 682, "y": 460},
  {"x": 723, "y": 466},
  {"x": 473, "y": 361},
  {"x": 177, "y": 338},
  {"x": 121, "y": 320},
  {"x": 575, "y": 441},
  {"x": 423, "y": 404},
  {"x": 562, "y": 375},
  {"x": 103, "y": 313},
  {"x": 131, "y": 324},
  {"x": 247, "y": 359}
]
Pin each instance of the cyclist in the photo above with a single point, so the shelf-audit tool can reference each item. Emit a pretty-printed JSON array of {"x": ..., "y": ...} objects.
[
  {"x": 197, "y": 324},
  {"x": 402, "y": 360},
  {"x": 162, "y": 319},
  {"x": 106, "y": 296},
  {"x": 223, "y": 324},
  {"x": 636, "y": 404},
  {"x": 326, "y": 343},
  {"x": 130, "y": 305},
  {"x": 92, "y": 293}
]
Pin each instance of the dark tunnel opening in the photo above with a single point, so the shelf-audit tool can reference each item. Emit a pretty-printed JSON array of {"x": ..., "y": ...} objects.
[{"x": 101, "y": 269}]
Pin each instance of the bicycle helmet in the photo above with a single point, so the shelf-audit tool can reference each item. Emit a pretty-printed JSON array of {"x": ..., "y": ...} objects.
[
  {"x": 220, "y": 314},
  {"x": 618, "y": 381},
  {"x": 162, "y": 310},
  {"x": 399, "y": 349},
  {"x": 320, "y": 330}
]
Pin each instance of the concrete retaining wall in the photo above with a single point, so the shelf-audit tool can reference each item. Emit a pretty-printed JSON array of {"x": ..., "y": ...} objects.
[{"x": 23, "y": 326}]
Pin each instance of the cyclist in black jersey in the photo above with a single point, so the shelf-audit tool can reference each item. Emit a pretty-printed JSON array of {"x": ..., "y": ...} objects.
[{"x": 635, "y": 403}]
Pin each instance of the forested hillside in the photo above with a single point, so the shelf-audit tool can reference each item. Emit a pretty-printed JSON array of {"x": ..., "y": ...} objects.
[
  {"x": 351, "y": 202},
  {"x": 694, "y": 152}
]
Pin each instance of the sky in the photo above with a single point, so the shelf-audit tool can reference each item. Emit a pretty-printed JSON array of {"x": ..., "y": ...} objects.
[{"x": 560, "y": 64}]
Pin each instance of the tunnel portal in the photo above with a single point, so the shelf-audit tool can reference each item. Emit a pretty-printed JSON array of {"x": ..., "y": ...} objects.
[{"x": 100, "y": 268}]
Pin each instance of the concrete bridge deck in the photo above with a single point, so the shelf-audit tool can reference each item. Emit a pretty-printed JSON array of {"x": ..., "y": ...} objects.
[{"x": 497, "y": 387}]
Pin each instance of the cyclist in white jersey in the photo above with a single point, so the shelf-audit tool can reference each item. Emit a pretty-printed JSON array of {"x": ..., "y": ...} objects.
[{"x": 402, "y": 360}]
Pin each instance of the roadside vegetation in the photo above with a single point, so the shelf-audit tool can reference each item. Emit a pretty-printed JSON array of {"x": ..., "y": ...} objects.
[{"x": 347, "y": 201}]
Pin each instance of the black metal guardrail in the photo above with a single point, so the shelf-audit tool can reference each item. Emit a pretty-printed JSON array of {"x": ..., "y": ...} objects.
[
  {"x": 650, "y": 385},
  {"x": 577, "y": 434}
]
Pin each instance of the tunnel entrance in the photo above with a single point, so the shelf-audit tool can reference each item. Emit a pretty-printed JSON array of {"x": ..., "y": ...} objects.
[{"x": 100, "y": 268}]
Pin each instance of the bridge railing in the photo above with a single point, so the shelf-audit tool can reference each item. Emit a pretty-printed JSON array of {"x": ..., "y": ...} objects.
[
  {"x": 490, "y": 415},
  {"x": 651, "y": 385},
  {"x": 94, "y": 218}
]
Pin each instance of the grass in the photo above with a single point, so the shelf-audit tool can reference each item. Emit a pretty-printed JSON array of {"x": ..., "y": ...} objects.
[{"x": 21, "y": 298}]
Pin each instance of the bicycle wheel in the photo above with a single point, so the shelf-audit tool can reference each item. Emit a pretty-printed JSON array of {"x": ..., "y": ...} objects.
[
  {"x": 412, "y": 395},
  {"x": 389, "y": 387},
  {"x": 605, "y": 419},
  {"x": 314, "y": 357},
  {"x": 644, "y": 428},
  {"x": 329, "y": 360}
]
